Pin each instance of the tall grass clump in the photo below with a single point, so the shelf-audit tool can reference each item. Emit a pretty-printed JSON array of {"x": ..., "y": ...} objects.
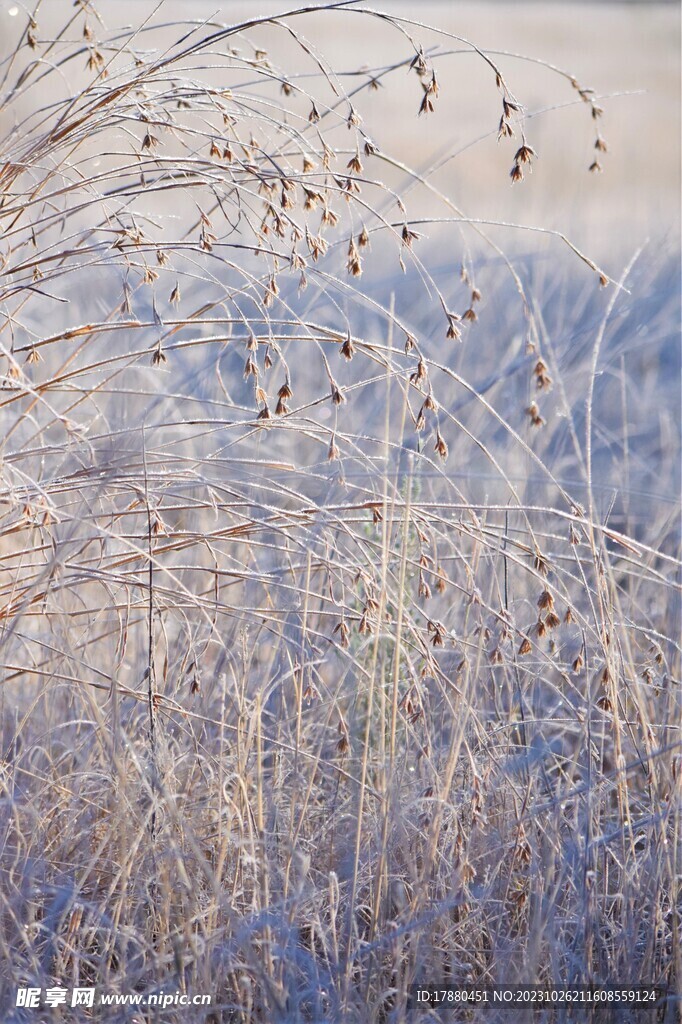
[{"x": 339, "y": 536}]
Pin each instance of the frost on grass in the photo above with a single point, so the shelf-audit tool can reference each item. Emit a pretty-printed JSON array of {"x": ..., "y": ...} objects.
[{"x": 337, "y": 640}]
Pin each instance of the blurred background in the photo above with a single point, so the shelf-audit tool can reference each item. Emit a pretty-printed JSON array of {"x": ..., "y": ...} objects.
[{"x": 628, "y": 53}]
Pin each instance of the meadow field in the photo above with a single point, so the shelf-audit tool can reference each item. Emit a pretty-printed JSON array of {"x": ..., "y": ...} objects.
[{"x": 339, "y": 508}]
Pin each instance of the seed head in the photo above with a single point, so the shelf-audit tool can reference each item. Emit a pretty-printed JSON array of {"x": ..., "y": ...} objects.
[
  {"x": 534, "y": 414},
  {"x": 344, "y": 633},
  {"x": 542, "y": 378},
  {"x": 95, "y": 60},
  {"x": 453, "y": 330},
  {"x": 337, "y": 395},
  {"x": 311, "y": 198},
  {"x": 524, "y": 154},
  {"x": 420, "y": 373},
  {"x": 271, "y": 291},
  {"x": 540, "y": 563},
  {"x": 419, "y": 63},
  {"x": 328, "y": 219},
  {"x": 437, "y": 631},
  {"x": 348, "y": 348},
  {"x": 354, "y": 263},
  {"x": 552, "y": 620},
  {"x": 505, "y": 130},
  {"x": 409, "y": 236}
]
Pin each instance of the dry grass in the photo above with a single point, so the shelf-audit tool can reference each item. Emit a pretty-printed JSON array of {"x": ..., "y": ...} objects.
[{"x": 339, "y": 590}]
